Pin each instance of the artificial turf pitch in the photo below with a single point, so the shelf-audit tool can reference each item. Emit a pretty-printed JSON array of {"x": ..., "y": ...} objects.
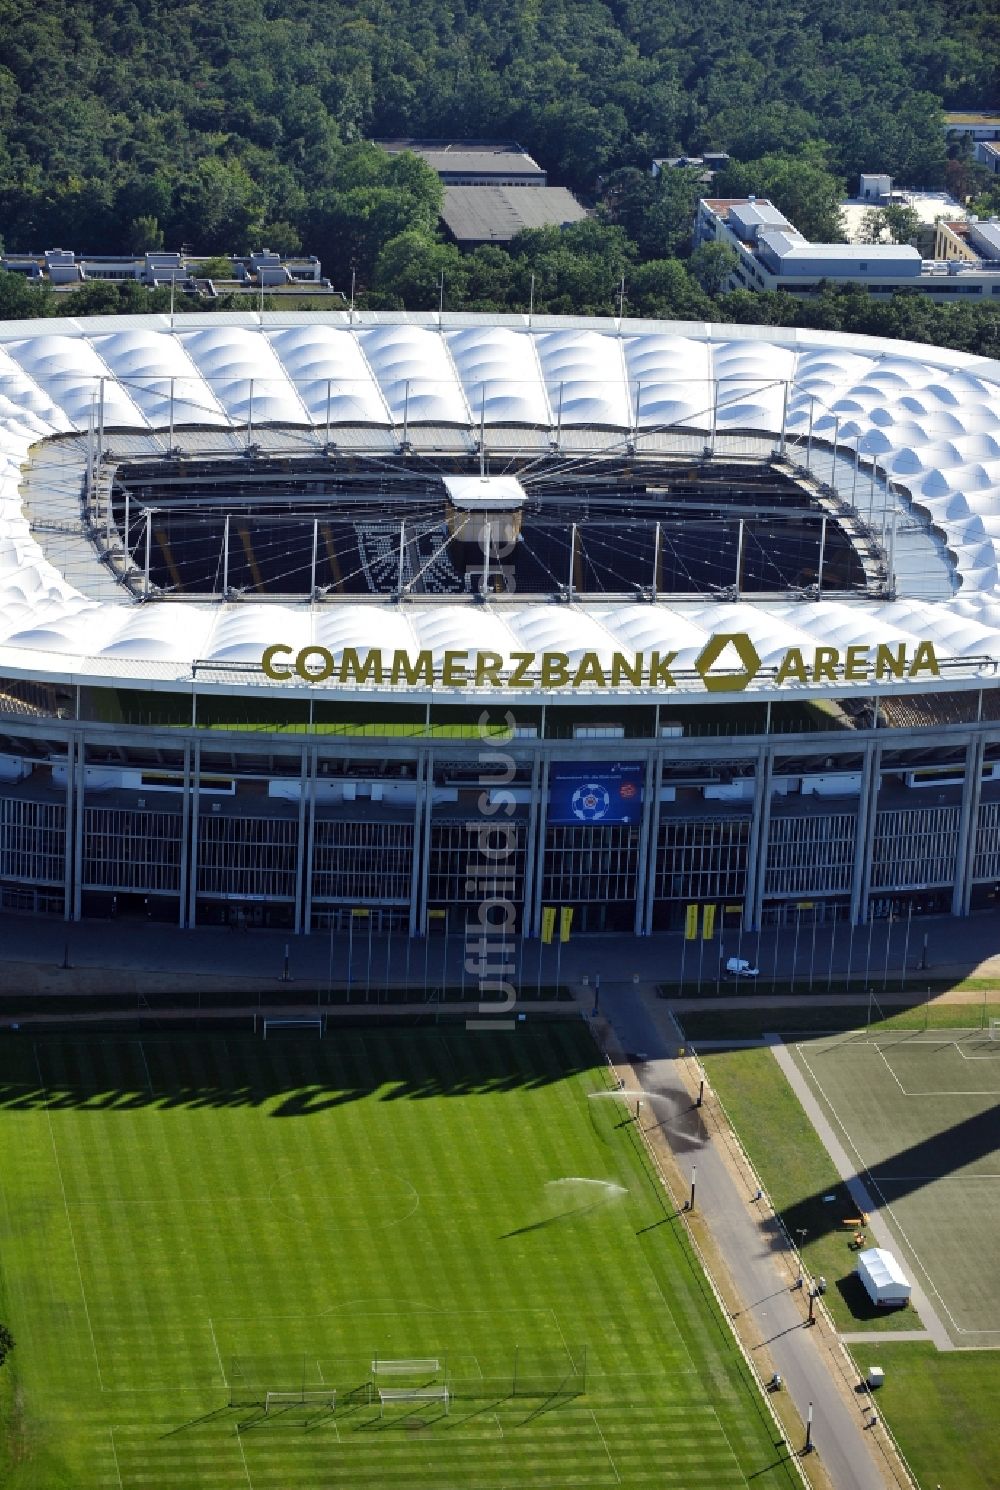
[
  {"x": 188, "y": 1222},
  {"x": 917, "y": 1112}
]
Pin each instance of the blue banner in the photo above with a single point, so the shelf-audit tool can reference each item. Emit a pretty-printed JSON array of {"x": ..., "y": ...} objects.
[{"x": 602, "y": 792}]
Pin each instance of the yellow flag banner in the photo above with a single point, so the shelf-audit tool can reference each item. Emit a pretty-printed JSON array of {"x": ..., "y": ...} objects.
[
  {"x": 548, "y": 922},
  {"x": 691, "y": 923},
  {"x": 565, "y": 922},
  {"x": 708, "y": 923}
]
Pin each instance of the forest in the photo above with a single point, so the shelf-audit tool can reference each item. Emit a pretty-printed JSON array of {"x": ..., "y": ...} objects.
[{"x": 136, "y": 124}]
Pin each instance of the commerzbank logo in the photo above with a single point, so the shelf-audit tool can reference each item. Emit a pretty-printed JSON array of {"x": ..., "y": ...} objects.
[
  {"x": 727, "y": 663},
  {"x": 726, "y": 678}
]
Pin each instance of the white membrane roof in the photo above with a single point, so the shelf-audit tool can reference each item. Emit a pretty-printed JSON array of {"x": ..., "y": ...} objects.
[{"x": 930, "y": 417}]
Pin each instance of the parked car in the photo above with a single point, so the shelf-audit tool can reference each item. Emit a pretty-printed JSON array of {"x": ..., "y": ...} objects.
[{"x": 741, "y": 968}]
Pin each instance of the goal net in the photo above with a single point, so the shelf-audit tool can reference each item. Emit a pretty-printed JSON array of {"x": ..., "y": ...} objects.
[
  {"x": 320, "y": 1397},
  {"x": 995, "y": 1029},
  {"x": 289, "y": 1023},
  {"x": 408, "y": 1366},
  {"x": 390, "y": 1396}
]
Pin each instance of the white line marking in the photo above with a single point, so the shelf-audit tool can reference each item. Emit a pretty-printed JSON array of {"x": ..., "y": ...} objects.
[
  {"x": 145, "y": 1067},
  {"x": 117, "y": 1466},
  {"x": 246, "y": 1467},
  {"x": 218, "y": 1354},
  {"x": 891, "y": 1071},
  {"x": 614, "y": 1466},
  {"x": 935, "y": 1092},
  {"x": 69, "y": 1220}
]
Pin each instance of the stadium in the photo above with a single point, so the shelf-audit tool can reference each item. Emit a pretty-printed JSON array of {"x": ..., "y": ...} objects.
[{"x": 300, "y": 611}]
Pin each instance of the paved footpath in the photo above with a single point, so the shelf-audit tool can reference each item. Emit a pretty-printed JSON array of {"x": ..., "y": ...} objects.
[{"x": 642, "y": 1023}]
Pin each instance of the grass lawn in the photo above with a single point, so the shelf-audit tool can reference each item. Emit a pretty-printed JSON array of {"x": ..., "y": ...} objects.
[
  {"x": 749, "y": 1024},
  {"x": 798, "y": 1172},
  {"x": 188, "y": 1222},
  {"x": 942, "y": 1409}
]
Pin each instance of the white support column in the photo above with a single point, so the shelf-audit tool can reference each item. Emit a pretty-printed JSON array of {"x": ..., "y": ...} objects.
[
  {"x": 80, "y": 805},
  {"x": 68, "y": 828},
  {"x": 645, "y": 830},
  {"x": 418, "y": 818},
  {"x": 784, "y": 417},
  {"x": 530, "y": 845},
  {"x": 310, "y": 858},
  {"x": 192, "y": 918},
  {"x": 425, "y": 874},
  {"x": 654, "y": 846},
  {"x": 543, "y": 814},
  {"x": 965, "y": 853},
  {"x": 760, "y": 824},
  {"x": 300, "y": 840},
  {"x": 864, "y": 835},
  {"x": 182, "y": 888}
]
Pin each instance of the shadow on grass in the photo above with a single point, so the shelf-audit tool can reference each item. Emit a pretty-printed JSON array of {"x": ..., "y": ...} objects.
[
  {"x": 855, "y": 1296},
  {"x": 298, "y": 1076}
]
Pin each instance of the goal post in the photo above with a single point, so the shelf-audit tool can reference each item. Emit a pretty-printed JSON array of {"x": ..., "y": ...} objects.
[
  {"x": 388, "y": 1396},
  {"x": 405, "y": 1366},
  {"x": 276, "y": 1402},
  {"x": 266, "y": 1024}
]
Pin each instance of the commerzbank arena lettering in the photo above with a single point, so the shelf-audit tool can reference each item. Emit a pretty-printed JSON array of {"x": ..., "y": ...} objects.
[{"x": 880, "y": 663}]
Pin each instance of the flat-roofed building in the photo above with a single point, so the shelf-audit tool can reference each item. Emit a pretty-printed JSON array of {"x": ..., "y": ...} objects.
[
  {"x": 981, "y": 124},
  {"x": 473, "y": 162},
  {"x": 475, "y": 215},
  {"x": 773, "y": 255}
]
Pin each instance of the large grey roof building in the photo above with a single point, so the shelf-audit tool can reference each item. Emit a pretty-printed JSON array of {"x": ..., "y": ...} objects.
[
  {"x": 475, "y": 215},
  {"x": 473, "y": 162}
]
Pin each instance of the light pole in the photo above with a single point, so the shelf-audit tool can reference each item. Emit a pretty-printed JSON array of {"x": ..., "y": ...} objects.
[{"x": 807, "y": 1449}]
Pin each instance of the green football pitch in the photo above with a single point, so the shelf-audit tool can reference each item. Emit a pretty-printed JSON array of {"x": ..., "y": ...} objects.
[
  {"x": 189, "y": 1223},
  {"x": 917, "y": 1111}
]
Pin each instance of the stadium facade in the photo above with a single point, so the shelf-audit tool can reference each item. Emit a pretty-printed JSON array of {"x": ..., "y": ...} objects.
[{"x": 306, "y": 617}]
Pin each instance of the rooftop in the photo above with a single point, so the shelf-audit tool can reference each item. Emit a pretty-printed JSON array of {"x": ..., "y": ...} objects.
[
  {"x": 928, "y": 205},
  {"x": 493, "y": 157},
  {"x": 974, "y": 116},
  {"x": 496, "y": 214},
  {"x": 787, "y": 246}
]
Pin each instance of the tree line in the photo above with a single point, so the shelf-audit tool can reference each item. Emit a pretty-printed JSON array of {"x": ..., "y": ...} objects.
[{"x": 139, "y": 124}]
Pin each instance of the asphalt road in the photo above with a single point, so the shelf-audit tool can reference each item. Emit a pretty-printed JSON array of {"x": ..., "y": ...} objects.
[{"x": 747, "y": 1244}]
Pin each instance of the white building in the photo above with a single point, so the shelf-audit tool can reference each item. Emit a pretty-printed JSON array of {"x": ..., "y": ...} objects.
[
  {"x": 773, "y": 255},
  {"x": 981, "y": 125},
  {"x": 64, "y": 268}
]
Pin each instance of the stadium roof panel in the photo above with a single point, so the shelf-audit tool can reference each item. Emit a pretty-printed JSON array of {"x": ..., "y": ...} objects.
[{"x": 931, "y": 415}]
